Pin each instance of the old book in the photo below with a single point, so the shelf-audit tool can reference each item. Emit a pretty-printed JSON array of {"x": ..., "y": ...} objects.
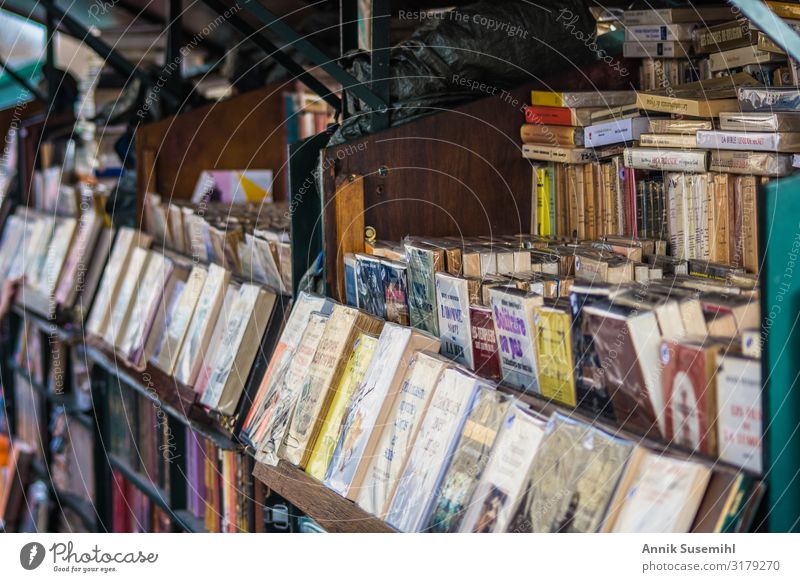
[
  {"x": 198, "y": 334},
  {"x": 73, "y": 274},
  {"x": 350, "y": 280},
  {"x": 215, "y": 344},
  {"x": 766, "y": 121},
  {"x": 679, "y": 126},
  {"x": 657, "y": 494},
  {"x": 424, "y": 260},
  {"x": 572, "y": 479},
  {"x": 371, "y": 404},
  {"x": 751, "y": 163},
  {"x": 552, "y": 135},
  {"x": 502, "y": 481},
  {"x": 690, "y": 402},
  {"x": 739, "y": 413},
  {"x": 345, "y": 324},
  {"x": 398, "y": 433},
  {"x": 566, "y": 155},
  {"x": 179, "y": 322},
  {"x": 512, "y": 310},
  {"x": 283, "y": 391},
  {"x": 484, "y": 342},
  {"x": 657, "y": 49},
  {"x": 112, "y": 279},
  {"x": 576, "y": 117},
  {"x": 394, "y": 275},
  {"x": 749, "y": 140},
  {"x": 602, "y": 267},
  {"x": 250, "y": 315},
  {"x": 452, "y": 295},
  {"x": 664, "y": 16},
  {"x": 722, "y": 37},
  {"x": 627, "y": 342},
  {"x": 468, "y": 462},
  {"x": 369, "y": 281},
  {"x": 269, "y": 389},
  {"x": 122, "y": 303},
  {"x": 582, "y": 98},
  {"x": 769, "y": 98},
  {"x": 741, "y": 57},
  {"x": 144, "y": 308},
  {"x": 663, "y": 159},
  {"x": 656, "y": 32},
  {"x": 165, "y": 313},
  {"x": 360, "y": 358},
  {"x": 668, "y": 140},
  {"x": 452, "y": 401},
  {"x": 553, "y": 337}
]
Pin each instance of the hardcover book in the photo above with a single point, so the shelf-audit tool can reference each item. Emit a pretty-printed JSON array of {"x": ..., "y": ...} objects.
[
  {"x": 371, "y": 404},
  {"x": 484, "y": 342},
  {"x": 453, "y": 400},
  {"x": 399, "y": 431}
]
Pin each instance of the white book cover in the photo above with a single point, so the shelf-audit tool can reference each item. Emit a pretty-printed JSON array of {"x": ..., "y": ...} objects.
[
  {"x": 108, "y": 283},
  {"x": 739, "y": 417},
  {"x": 438, "y": 434},
  {"x": 505, "y": 475},
  {"x": 665, "y": 159},
  {"x": 208, "y": 305},
  {"x": 748, "y": 140},
  {"x": 145, "y": 303},
  {"x": 399, "y": 432},
  {"x": 288, "y": 385},
  {"x": 656, "y": 32},
  {"x": 616, "y": 131},
  {"x": 180, "y": 319},
  {"x": 656, "y": 501},
  {"x": 455, "y": 330},
  {"x": 243, "y": 310},
  {"x": 133, "y": 270},
  {"x": 365, "y": 406}
]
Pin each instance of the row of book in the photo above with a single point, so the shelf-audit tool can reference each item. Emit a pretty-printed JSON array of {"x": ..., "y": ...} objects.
[
  {"x": 194, "y": 323},
  {"x": 682, "y": 45},
  {"x": 251, "y": 241},
  {"x": 382, "y": 418}
]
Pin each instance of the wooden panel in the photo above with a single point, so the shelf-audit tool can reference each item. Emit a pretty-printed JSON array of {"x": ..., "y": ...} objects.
[
  {"x": 246, "y": 131},
  {"x": 457, "y": 173},
  {"x": 332, "y": 511},
  {"x": 349, "y": 224}
]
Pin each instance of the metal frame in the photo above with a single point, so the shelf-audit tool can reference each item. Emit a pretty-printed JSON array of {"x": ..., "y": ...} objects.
[{"x": 22, "y": 81}]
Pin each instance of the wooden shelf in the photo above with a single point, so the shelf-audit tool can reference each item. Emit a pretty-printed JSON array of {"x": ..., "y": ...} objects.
[{"x": 332, "y": 511}]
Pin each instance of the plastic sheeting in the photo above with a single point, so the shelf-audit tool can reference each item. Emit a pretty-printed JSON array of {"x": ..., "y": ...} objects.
[{"x": 473, "y": 52}]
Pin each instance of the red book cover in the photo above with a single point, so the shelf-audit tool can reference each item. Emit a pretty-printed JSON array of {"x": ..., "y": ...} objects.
[
  {"x": 548, "y": 115},
  {"x": 689, "y": 395},
  {"x": 484, "y": 342}
]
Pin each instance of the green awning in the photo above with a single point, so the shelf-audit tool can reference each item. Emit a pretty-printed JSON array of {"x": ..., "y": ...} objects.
[{"x": 11, "y": 93}]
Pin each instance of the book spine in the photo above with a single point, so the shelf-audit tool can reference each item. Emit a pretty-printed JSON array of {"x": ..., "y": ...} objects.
[
  {"x": 549, "y": 115},
  {"x": 721, "y": 38},
  {"x": 666, "y": 160},
  {"x": 743, "y": 162},
  {"x": 553, "y": 135},
  {"x": 753, "y": 99}
]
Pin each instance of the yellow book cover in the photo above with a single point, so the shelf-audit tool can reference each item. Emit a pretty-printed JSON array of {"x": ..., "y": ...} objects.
[
  {"x": 547, "y": 98},
  {"x": 554, "y": 352},
  {"x": 329, "y": 433}
]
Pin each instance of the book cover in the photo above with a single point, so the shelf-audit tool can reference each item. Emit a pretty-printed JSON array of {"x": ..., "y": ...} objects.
[
  {"x": 546, "y": 153},
  {"x": 690, "y": 405},
  {"x": 110, "y": 282},
  {"x": 576, "y": 99},
  {"x": 758, "y": 121},
  {"x": 656, "y": 49},
  {"x": 551, "y": 135},
  {"x": 120, "y": 309},
  {"x": 284, "y": 389},
  {"x": 771, "y": 99},
  {"x": 512, "y": 311},
  {"x": 269, "y": 389},
  {"x": 468, "y": 462},
  {"x": 360, "y": 358},
  {"x": 323, "y": 376},
  {"x": 553, "y": 336},
  {"x": 180, "y": 319},
  {"x": 658, "y": 494},
  {"x": 452, "y": 295},
  {"x": 666, "y": 159},
  {"x": 484, "y": 342},
  {"x": 369, "y": 280},
  {"x": 751, "y": 163},
  {"x": 501, "y": 484},
  {"x": 394, "y": 275},
  {"x": 371, "y": 404},
  {"x": 350, "y": 280},
  {"x": 572, "y": 479},
  {"x": 739, "y": 414},
  {"x": 399, "y": 431},
  {"x": 452, "y": 401},
  {"x": 423, "y": 262}
]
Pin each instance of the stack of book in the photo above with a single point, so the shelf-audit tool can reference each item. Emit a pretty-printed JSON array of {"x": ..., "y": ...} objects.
[{"x": 419, "y": 440}]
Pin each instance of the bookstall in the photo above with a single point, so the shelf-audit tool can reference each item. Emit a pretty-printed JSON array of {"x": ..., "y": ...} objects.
[{"x": 536, "y": 310}]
